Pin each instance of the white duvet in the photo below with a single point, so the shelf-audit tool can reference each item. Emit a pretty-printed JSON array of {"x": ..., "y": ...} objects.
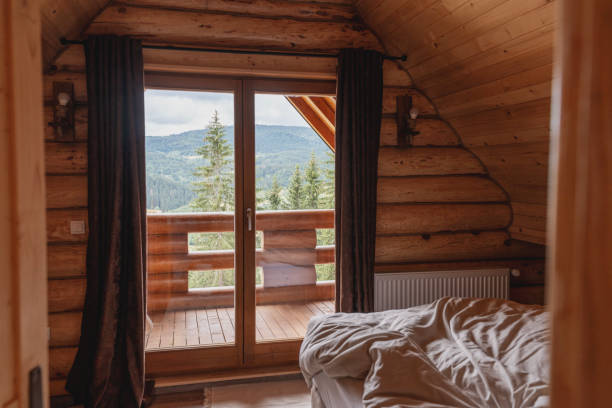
[{"x": 452, "y": 353}]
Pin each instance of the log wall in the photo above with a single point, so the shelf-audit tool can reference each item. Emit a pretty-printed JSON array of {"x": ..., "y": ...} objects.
[
  {"x": 439, "y": 207},
  {"x": 487, "y": 66}
]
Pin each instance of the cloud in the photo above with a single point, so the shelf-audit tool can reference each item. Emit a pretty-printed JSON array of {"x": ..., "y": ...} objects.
[
  {"x": 171, "y": 112},
  {"x": 276, "y": 110}
]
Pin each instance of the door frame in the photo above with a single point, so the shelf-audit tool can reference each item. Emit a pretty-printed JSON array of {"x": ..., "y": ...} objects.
[
  {"x": 215, "y": 357},
  {"x": 245, "y": 353},
  {"x": 278, "y": 352}
]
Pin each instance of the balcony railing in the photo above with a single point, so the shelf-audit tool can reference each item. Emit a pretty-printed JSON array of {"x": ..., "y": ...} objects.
[{"x": 288, "y": 257}]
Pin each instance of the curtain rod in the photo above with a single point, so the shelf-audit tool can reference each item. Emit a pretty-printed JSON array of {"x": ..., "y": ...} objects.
[{"x": 228, "y": 51}]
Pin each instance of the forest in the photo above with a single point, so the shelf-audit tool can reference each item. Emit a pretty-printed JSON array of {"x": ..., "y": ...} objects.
[{"x": 194, "y": 172}]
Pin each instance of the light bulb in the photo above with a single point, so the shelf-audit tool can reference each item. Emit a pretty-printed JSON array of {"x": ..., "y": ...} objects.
[
  {"x": 63, "y": 98},
  {"x": 414, "y": 113}
]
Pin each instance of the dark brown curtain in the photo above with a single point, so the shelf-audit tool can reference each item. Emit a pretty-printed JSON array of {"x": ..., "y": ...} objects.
[
  {"x": 109, "y": 366},
  {"x": 358, "y": 116}
]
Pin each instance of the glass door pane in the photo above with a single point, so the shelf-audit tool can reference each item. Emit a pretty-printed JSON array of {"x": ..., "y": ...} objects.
[
  {"x": 191, "y": 183},
  {"x": 294, "y": 195}
]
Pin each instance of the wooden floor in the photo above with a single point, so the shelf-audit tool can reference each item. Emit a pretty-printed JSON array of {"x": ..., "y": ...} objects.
[
  {"x": 182, "y": 328},
  {"x": 268, "y": 393}
]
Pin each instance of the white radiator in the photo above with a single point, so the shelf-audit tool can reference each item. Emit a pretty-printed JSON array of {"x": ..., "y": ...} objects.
[{"x": 407, "y": 289}]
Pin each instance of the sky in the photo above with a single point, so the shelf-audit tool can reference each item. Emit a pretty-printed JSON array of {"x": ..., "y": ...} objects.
[{"x": 171, "y": 112}]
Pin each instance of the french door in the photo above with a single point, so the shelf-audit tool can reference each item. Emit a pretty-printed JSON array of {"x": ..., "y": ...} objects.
[{"x": 257, "y": 256}]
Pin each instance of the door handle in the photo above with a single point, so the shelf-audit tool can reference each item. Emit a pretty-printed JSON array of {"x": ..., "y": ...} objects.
[{"x": 249, "y": 216}]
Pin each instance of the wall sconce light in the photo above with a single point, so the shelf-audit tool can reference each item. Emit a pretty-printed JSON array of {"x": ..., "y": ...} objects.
[
  {"x": 407, "y": 115},
  {"x": 63, "y": 111}
]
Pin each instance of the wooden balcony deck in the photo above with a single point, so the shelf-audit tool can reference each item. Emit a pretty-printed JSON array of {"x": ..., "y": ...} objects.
[{"x": 215, "y": 326}]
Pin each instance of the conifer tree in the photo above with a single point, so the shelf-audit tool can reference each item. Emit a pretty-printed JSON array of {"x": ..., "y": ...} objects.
[
  {"x": 214, "y": 183},
  {"x": 214, "y": 186},
  {"x": 295, "y": 190},
  {"x": 312, "y": 187},
  {"x": 328, "y": 192},
  {"x": 274, "y": 198}
]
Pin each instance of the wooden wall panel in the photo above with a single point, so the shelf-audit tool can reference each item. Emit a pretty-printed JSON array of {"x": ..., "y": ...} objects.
[
  {"x": 64, "y": 329},
  {"x": 58, "y": 225},
  {"x": 487, "y": 67},
  {"x": 427, "y": 161},
  {"x": 432, "y": 132},
  {"x": 65, "y": 158},
  {"x": 430, "y": 218},
  {"x": 66, "y": 260},
  {"x": 66, "y": 169},
  {"x": 452, "y": 247},
  {"x": 438, "y": 189},
  {"x": 66, "y": 191},
  {"x": 60, "y": 361},
  {"x": 66, "y": 295}
]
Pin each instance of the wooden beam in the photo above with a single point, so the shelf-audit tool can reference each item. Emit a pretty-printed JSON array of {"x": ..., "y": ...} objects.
[
  {"x": 580, "y": 215},
  {"x": 319, "y": 123},
  {"x": 326, "y": 110},
  {"x": 301, "y": 11},
  {"x": 23, "y": 272},
  {"x": 157, "y": 25}
]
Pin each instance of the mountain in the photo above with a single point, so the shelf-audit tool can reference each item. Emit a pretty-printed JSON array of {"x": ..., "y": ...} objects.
[{"x": 172, "y": 160}]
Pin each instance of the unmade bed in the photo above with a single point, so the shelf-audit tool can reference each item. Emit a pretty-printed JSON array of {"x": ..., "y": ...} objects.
[{"x": 451, "y": 353}]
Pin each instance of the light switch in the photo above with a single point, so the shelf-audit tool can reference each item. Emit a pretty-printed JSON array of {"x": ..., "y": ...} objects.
[{"x": 77, "y": 227}]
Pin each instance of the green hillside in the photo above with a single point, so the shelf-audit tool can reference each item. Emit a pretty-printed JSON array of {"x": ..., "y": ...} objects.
[{"x": 172, "y": 160}]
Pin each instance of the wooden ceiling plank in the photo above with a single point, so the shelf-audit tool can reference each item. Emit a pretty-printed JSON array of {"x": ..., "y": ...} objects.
[
  {"x": 530, "y": 93},
  {"x": 492, "y": 20},
  {"x": 411, "y": 33},
  {"x": 407, "y": 15},
  {"x": 461, "y": 15},
  {"x": 65, "y": 18},
  {"x": 495, "y": 90},
  {"x": 527, "y": 52},
  {"x": 500, "y": 35}
]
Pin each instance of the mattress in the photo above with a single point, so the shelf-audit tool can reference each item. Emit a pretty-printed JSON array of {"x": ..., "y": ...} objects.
[
  {"x": 451, "y": 353},
  {"x": 337, "y": 393}
]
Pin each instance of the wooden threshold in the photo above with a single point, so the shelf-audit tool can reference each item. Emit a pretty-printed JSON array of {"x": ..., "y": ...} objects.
[{"x": 226, "y": 375}]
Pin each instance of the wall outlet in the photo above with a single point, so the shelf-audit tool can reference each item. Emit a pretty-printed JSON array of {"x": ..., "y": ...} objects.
[{"x": 77, "y": 227}]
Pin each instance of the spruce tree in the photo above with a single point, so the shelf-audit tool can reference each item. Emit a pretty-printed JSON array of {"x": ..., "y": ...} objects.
[
  {"x": 214, "y": 186},
  {"x": 214, "y": 183},
  {"x": 312, "y": 187},
  {"x": 295, "y": 190},
  {"x": 274, "y": 198},
  {"x": 328, "y": 191}
]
